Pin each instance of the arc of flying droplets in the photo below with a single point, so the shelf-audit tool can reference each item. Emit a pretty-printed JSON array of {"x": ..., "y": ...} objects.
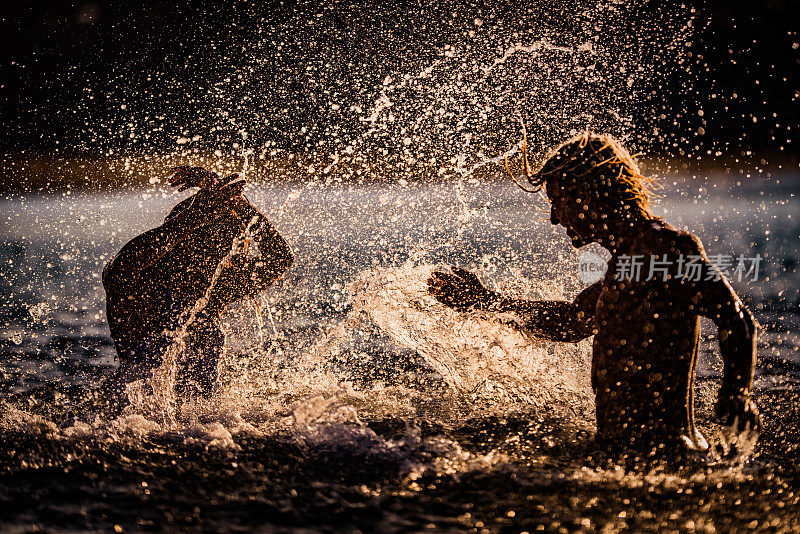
[
  {"x": 468, "y": 214},
  {"x": 383, "y": 102}
]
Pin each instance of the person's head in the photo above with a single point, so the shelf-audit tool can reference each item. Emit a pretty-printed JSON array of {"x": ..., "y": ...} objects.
[{"x": 595, "y": 188}]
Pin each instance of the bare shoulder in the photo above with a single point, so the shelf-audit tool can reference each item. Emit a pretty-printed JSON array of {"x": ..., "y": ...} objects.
[
  {"x": 688, "y": 243},
  {"x": 671, "y": 240}
]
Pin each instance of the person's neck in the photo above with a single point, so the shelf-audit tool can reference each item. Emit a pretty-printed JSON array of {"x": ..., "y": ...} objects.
[{"x": 625, "y": 236}]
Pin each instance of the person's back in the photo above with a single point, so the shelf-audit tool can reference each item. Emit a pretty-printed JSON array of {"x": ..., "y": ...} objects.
[
  {"x": 645, "y": 348},
  {"x": 151, "y": 300}
]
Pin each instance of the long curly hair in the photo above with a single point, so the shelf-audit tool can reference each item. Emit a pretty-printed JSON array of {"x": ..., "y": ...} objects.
[{"x": 605, "y": 166}]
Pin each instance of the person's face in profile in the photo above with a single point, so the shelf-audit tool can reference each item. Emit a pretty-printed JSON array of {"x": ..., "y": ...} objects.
[{"x": 574, "y": 212}]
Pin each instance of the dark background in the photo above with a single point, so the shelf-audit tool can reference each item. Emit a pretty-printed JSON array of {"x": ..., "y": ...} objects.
[{"x": 68, "y": 68}]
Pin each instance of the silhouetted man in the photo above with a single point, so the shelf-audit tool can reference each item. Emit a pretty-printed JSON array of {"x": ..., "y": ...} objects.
[{"x": 158, "y": 277}]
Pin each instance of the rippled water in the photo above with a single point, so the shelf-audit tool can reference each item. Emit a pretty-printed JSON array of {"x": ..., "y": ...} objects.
[{"x": 358, "y": 402}]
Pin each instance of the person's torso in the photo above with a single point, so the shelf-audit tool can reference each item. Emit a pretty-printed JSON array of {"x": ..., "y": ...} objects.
[{"x": 643, "y": 358}]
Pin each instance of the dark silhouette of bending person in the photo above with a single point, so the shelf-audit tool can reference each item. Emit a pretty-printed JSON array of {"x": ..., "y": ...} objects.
[
  {"x": 157, "y": 277},
  {"x": 646, "y": 327}
]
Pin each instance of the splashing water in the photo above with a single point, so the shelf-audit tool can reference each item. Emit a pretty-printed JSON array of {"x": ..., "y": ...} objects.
[
  {"x": 483, "y": 359},
  {"x": 487, "y": 405},
  {"x": 402, "y": 399}
]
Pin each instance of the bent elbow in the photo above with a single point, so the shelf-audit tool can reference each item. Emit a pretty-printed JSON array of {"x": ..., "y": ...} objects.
[
  {"x": 281, "y": 263},
  {"x": 277, "y": 254},
  {"x": 286, "y": 260},
  {"x": 270, "y": 269},
  {"x": 560, "y": 322}
]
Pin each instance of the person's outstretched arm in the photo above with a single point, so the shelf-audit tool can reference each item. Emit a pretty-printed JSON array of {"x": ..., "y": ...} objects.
[{"x": 550, "y": 319}]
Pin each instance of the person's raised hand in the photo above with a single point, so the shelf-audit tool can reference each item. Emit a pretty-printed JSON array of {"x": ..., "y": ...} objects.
[
  {"x": 186, "y": 176},
  {"x": 459, "y": 289}
]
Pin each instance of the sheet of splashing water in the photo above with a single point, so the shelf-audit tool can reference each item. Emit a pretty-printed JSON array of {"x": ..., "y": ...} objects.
[{"x": 482, "y": 358}]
